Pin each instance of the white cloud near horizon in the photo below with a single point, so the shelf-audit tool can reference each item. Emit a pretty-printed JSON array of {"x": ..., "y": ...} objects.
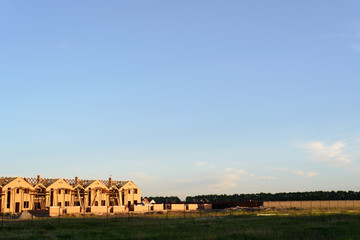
[
  {"x": 201, "y": 163},
  {"x": 230, "y": 177},
  {"x": 236, "y": 171},
  {"x": 296, "y": 172},
  {"x": 267, "y": 178},
  {"x": 305, "y": 174},
  {"x": 333, "y": 154}
]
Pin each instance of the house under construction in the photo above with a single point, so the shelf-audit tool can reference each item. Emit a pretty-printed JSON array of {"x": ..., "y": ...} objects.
[{"x": 19, "y": 194}]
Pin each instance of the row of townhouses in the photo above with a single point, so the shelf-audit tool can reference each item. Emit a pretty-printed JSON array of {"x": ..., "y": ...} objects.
[{"x": 19, "y": 194}]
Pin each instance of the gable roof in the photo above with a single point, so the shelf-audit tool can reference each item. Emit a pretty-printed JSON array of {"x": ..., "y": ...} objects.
[
  {"x": 15, "y": 182},
  {"x": 120, "y": 184},
  {"x": 70, "y": 183},
  {"x": 128, "y": 184},
  {"x": 6, "y": 180},
  {"x": 48, "y": 183},
  {"x": 94, "y": 184}
]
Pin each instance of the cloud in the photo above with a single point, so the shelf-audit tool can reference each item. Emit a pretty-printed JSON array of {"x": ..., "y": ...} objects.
[
  {"x": 236, "y": 171},
  {"x": 267, "y": 178},
  {"x": 312, "y": 174},
  {"x": 332, "y": 154},
  {"x": 230, "y": 177},
  {"x": 227, "y": 181},
  {"x": 204, "y": 164},
  {"x": 227, "y": 178},
  {"x": 201, "y": 163},
  {"x": 305, "y": 174},
  {"x": 296, "y": 172}
]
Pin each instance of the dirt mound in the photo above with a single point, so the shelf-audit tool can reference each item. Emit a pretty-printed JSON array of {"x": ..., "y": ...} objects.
[{"x": 24, "y": 216}]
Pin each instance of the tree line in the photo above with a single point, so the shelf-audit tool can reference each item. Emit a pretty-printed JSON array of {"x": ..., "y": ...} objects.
[{"x": 285, "y": 196}]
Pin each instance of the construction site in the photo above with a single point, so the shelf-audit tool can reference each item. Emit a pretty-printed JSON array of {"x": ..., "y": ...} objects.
[
  {"x": 57, "y": 196},
  {"x": 66, "y": 196}
]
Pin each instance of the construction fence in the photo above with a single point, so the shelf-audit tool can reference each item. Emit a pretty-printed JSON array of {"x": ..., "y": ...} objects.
[{"x": 331, "y": 204}]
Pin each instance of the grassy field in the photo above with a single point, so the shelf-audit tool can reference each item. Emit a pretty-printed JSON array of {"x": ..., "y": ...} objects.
[{"x": 323, "y": 226}]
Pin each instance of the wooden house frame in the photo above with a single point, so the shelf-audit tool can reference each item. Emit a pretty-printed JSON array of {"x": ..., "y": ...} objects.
[{"x": 32, "y": 194}]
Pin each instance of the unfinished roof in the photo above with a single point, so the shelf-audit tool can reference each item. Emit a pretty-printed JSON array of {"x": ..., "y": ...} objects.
[
  {"x": 128, "y": 184},
  {"x": 94, "y": 184},
  {"x": 6, "y": 180},
  {"x": 120, "y": 184},
  {"x": 16, "y": 182},
  {"x": 87, "y": 183},
  {"x": 72, "y": 183},
  {"x": 48, "y": 181}
]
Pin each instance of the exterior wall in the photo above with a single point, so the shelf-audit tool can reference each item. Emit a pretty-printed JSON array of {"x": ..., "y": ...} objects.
[
  {"x": 97, "y": 197},
  {"x": 192, "y": 207},
  {"x": 131, "y": 195},
  {"x": 60, "y": 197},
  {"x": 61, "y": 194},
  {"x": 158, "y": 207},
  {"x": 141, "y": 208},
  {"x": 99, "y": 209},
  {"x": 72, "y": 210},
  {"x": 18, "y": 197},
  {"x": 20, "y": 193},
  {"x": 118, "y": 209},
  {"x": 97, "y": 194},
  {"x": 178, "y": 207},
  {"x": 55, "y": 211}
]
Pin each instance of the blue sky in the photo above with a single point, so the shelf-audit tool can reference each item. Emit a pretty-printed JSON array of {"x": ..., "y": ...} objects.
[{"x": 183, "y": 97}]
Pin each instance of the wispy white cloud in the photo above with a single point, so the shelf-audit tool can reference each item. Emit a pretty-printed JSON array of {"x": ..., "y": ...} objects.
[
  {"x": 230, "y": 178},
  {"x": 305, "y": 174},
  {"x": 226, "y": 181},
  {"x": 236, "y": 171},
  {"x": 311, "y": 174},
  {"x": 201, "y": 163},
  {"x": 267, "y": 178},
  {"x": 296, "y": 172},
  {"x": 332, "y": 154},
  {"x": 227, "y": 178}
]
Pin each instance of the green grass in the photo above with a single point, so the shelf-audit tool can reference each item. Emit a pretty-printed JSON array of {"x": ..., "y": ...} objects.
[{"x": 318, "y": 226}]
